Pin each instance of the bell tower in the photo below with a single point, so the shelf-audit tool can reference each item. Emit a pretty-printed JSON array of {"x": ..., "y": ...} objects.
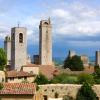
[{"x": 18, "y": 47}]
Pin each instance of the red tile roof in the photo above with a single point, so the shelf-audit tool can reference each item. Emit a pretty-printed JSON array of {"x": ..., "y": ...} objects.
[
  {"x": 18, "y": 74},
  {"x": 18, "y": 88},
  {"x": 48, "y": 71}
]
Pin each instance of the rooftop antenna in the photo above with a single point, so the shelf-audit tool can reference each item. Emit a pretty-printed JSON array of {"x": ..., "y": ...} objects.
[
  {"x": 18, "y": 24},
  {"x": 49, "y": 20}
]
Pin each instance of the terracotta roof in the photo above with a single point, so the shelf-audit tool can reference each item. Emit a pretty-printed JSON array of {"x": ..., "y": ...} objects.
[
  {"x": 48, "y": 71},
  {"x": 18, "y": 88},
  {"x": 18, "y": 74}
]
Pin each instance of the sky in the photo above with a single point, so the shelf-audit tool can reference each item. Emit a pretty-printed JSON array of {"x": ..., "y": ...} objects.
[{"x": 75, "y": 23}]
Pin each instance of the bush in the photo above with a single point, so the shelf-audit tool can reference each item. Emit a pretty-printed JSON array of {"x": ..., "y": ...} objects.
[
  {"x": 74, "y": 63},
  {"x": 64, "y": 79},
  {"x": 41, "y": 79},
  {"x": 86, "y": 78},
  {"x": 86, "y": 93}
]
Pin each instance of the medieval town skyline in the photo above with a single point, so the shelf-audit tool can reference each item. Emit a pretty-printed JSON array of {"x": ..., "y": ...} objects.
[{"x": 65, "y": 23}]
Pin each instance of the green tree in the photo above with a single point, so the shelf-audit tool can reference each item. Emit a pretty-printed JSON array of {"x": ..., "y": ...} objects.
[
  {"x": 97, "y": 75},
  {"x": 86, "y": 78},
  {"x": 74, "y": 63},
  {"x": 41, "y": 79},
  {"x": 86, "y": 93},
  {"x": 3, "y": 59}
]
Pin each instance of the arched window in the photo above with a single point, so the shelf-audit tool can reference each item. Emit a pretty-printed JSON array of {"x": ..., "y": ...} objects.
[
  {"x": 46, "y": 23},
  {"x": 20, "y": 38}
]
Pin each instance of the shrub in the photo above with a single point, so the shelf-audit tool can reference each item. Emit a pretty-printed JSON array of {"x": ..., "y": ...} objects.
[
  {"x": 86, "y": 93},
  {"x": 86, "y": 78}
]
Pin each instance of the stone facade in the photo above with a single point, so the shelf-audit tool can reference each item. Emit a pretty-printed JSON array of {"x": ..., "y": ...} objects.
[
  {"x": 45, "y": 42},
  {"x": 98, "y": 58},
  {"x": 7, "y": 48},
  {"x": 18, "y": 47},
  {"x": 85, "y": 60}
]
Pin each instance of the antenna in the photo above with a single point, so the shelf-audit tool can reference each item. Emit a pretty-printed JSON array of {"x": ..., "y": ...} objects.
[
  {"x": 18, "y": 24},
  {"x": 49, "y": 20}
]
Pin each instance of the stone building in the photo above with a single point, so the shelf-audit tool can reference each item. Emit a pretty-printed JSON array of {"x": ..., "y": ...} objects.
[
  {"x": 7, "y": 48},
  {"x": 97, "y": 58},
  {"x": 45, "y": 42},
  {"x": 85, "y": 60},
  {"x": 19, "y": 77},
  {"x": 71, "y": 53},
  {"x": 18, "y": 47}
]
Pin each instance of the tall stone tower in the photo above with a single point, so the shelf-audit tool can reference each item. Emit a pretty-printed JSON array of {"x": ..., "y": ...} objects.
[
  {"x": 98, "y": 58},
  {"x": 7, "y": 48},
  {"x": 45, "y": 42},
  {"x": 71, "y": 53},
  {"x": 18, "y": 47}
]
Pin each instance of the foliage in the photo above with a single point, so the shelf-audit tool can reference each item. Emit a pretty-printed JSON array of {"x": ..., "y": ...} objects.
[
  {"x": 3, "y": 59},
  {"x": 64, "y": 78},
  {"x": 67, "y": 98},
  {"x": 97, "y": 75},
  {"x": 74, "y": 63},
  {"x": 86, "y": 93},
  {"x": 37, "y": 87},
  {"x": 85, "y": 78},
  {"x": 1, "y": 86},
  {"x": 96, "y": 67},
  {"x": 41, "y": 79}
]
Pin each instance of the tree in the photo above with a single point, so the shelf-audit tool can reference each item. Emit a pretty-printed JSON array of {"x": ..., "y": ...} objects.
[
  {"x": 86, "y": 93},
  {"x": 3, "y": 59},
  {"x": 74, "y": 63},
  {"x": 97, "y": 75},
  {"x": 41, "y": 79},
  {"x": 86, "y": 78}
]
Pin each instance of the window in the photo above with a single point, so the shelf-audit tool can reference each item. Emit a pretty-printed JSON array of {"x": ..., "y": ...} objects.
[
  {"x": 20, "y": 38},
  {"x": 12, "y": 78},
  {"x": 45, "y": 97},
  {"x": 25, "y": 78}
]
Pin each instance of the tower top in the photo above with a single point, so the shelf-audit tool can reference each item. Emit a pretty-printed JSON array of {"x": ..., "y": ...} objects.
[{"x": 46, "y": 22}]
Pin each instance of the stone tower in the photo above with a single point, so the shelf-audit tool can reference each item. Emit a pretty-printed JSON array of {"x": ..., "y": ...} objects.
[
  {"x": 7, "y": 48},
  {"x": 71, "y": 53},
  {"x": 18, "y": 47},
  {"x": 98, "y": 58},
  {"x": 45, "y": 42}
]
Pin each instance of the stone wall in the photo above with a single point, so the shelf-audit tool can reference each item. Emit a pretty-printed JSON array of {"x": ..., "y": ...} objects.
[{"x": 62, "y": 90}]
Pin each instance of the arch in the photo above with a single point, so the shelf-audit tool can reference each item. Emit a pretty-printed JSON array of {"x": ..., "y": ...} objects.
[
  {"x": 20, "y": 38},
  {"x": 46, "y": 23}
]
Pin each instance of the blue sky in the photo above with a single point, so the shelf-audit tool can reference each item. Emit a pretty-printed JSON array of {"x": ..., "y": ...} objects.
[{"x": 75, "y": 23}]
